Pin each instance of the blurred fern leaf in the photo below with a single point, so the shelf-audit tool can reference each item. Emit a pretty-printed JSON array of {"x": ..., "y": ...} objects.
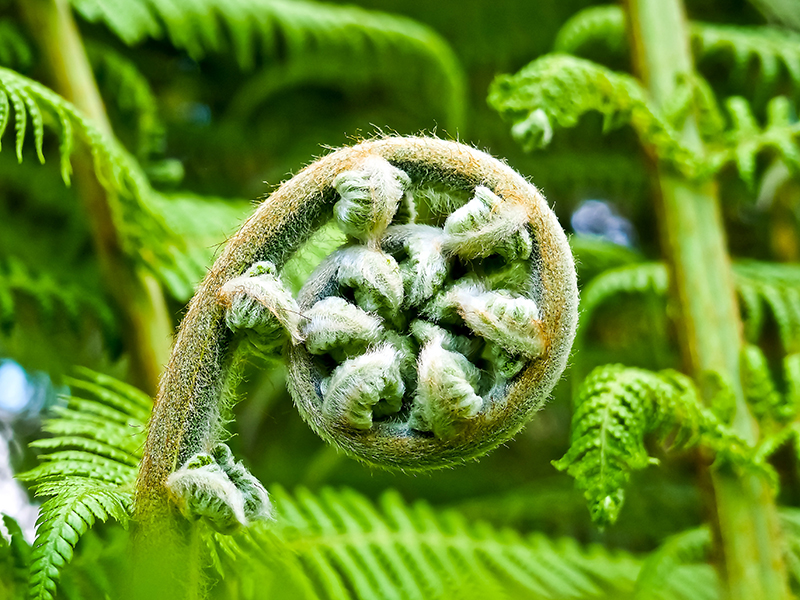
[
  {"x": 310, "y": 41},
  {"x": 349, "y": 548},
  {"x": 15, "y": 50},
  {"x": 48, "y": 295},
  {"x": 772, "y": 49}
]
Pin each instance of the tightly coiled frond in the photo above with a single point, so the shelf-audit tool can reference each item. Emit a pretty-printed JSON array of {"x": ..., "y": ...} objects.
[{"x": 411, "y": 346}]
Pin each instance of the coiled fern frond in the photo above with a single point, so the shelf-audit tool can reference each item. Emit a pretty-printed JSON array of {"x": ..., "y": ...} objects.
[
  {"x": 300, "y": 41},
  {"x": 615, "y": 408},
  {"x": 425, "y": 339},
  {"x": 557, "y": 89},
  {"x": 88, "y": 470}
]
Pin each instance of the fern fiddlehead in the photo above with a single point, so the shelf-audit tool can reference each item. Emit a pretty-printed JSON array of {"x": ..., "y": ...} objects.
[{"x": 428, "y": 338}]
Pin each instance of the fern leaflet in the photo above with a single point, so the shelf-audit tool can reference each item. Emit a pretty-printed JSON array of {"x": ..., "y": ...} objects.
[
  {"x": 616, "y": 408},
  {"x": 769, "y": 47},
  {"x": 310, "y": 40},
  {"x": 50, "y": 296},
  {"x": 15, "y": 50},
  {"x": 145, "y": 236},
  {"x": 122, "y": 83},
  {"x": 89, "y": 469},
  {"x": 14, "y": 559},
  {"x": 682, "y": 554},
  {"x": 348, "y": 548}
]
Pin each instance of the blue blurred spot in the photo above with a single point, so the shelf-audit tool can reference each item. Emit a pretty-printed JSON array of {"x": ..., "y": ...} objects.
[
  {"x": 15, "y": 391},
  {"x": 196, "y": 113},
  {"x": 600, "y": 219},
  {"x": 22, "y": 393}
]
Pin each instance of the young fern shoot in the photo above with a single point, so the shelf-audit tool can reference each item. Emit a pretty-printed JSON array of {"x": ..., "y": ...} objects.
[{"x": 429, "y": 337}]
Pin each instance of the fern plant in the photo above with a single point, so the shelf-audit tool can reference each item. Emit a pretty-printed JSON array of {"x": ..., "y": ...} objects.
[
  {"x": 676, "y": 117},
  {"x": 330, "y": 544},
  {"x": 420, "y": 295}
]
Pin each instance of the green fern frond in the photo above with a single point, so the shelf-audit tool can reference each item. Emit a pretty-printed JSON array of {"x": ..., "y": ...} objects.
[
  {"x": 747, "y": 139},
  {"x": 307, "y": 41},
  {"x": 75, "y": 506},
  {"x": 669, "y": 562},
  {"x": 594, "y": 255},
  {"x": 640, "y": 278},
  {"x": 15, "y": 555},
  {"x": 204, "y": 223},
  {"x": 88, "y": 471},
  {"x": 772, "y": 49},
  {"x": 348, "y": 548},
  {"x": 761, "y": 287},
  {"x": 596, "y": 23},
  {"x": 123, "y": 84},
  {"x": 759, "y": 388},
  {"x": 616, "y": 408},
  {"x": 775, "y": 287},
  {"x": 15, "y": 50},
  {"x": 557, "y": 89},
  {"x": 145, "y": 236},
  {"x": 50, "y": 297},
  {"x": 790, "y": 524},
  {"x": 769, "y": 47}
]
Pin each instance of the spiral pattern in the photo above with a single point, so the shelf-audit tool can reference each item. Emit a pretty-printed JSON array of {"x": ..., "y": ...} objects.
[
  {"x": 410, "y": 342},
  {"x": 430, "y": 337}
]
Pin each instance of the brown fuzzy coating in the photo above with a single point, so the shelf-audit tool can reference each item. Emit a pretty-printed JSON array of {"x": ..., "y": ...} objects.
[{"x": 185, "y": 419}]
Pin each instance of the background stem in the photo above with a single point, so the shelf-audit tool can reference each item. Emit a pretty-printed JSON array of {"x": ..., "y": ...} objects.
[
  {"x": 145, "y": 320},
  {"x": 746, "y": 527}
]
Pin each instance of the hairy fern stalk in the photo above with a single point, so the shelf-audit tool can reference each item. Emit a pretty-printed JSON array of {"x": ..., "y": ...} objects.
[{"x": 427, "y": 338}]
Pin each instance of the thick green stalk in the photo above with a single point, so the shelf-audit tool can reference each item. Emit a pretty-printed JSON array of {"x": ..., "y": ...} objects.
[
  {"x": 147, "y": 325},
  {"x": 710, "y": 329}
]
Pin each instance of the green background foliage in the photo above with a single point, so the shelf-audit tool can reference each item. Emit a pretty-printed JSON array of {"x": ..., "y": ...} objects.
[{"x": 213, "y": 103}]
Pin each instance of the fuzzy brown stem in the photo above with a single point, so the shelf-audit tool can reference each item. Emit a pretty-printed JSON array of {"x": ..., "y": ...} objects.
[{"x": 187, "y": 412}]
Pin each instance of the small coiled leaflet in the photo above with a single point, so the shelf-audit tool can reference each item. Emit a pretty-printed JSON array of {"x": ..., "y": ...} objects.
[{"x": 428, "y": 339}]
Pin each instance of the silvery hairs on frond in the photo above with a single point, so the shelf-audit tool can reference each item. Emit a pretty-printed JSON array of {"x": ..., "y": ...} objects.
[{"x": 430, "y": 336}]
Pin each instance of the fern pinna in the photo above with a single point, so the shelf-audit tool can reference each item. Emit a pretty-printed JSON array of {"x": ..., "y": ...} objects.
[
  {"x": 732, "y": 408},
  {"x": 89, "y": 467},
  {"x": 333, "y": 544}
]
